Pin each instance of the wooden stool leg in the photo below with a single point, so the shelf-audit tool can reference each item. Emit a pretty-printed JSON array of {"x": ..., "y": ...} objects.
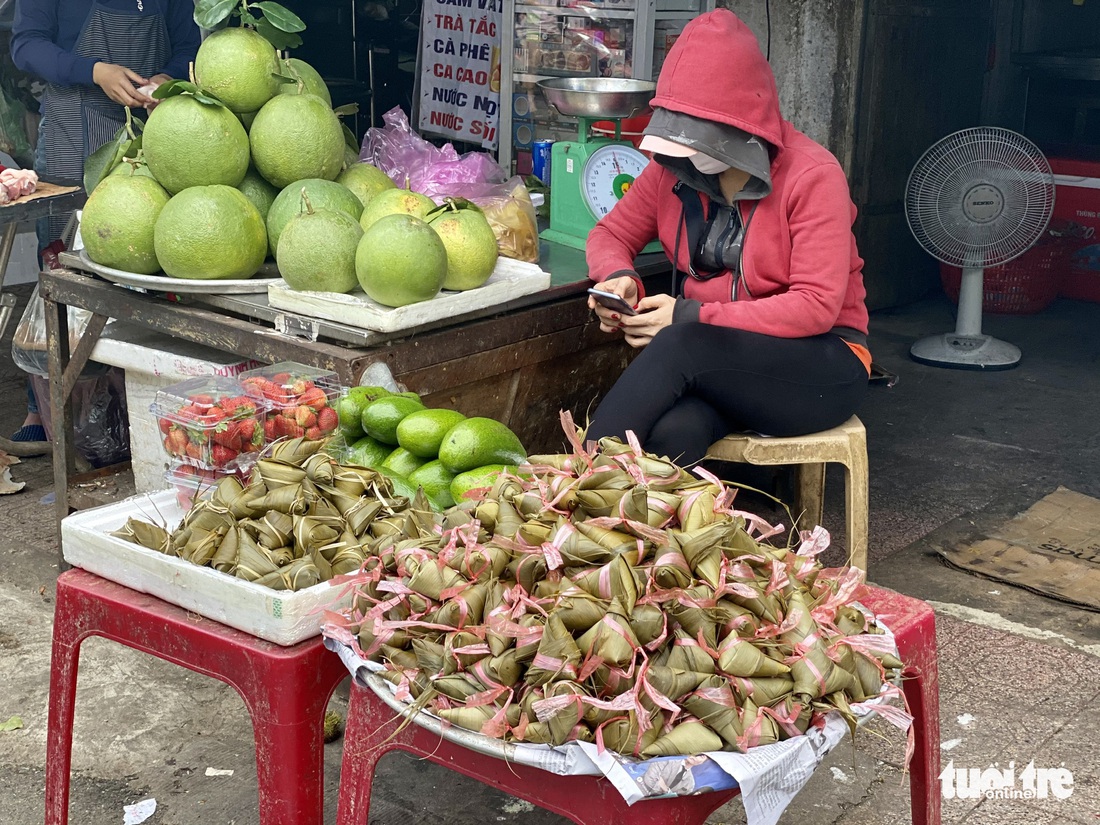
[
  {"x": 64, "y": 664},
  {"x": 810, "y": 500}
]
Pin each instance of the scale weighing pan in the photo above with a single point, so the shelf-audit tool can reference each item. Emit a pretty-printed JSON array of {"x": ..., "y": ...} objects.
[
  {"x": 598, "y": 98},
  {"x": 590, "y": 175}
]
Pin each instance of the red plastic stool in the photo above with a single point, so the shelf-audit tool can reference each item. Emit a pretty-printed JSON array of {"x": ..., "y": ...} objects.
[
  {"x": 584, "y": 799},
  {"x": 286, "y": 689},
  {"x": 914, "y": 626},
  {"x": 592, "y": 800}
]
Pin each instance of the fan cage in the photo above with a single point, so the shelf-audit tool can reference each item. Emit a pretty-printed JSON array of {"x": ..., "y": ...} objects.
[{"x": 996, "y": 158}]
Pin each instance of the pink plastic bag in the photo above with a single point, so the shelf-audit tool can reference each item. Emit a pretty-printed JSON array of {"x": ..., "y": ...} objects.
[{"x": 434, "y": 171}]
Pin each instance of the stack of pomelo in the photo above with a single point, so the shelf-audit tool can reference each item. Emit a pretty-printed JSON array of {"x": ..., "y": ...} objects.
[
  {"x": 440, "y": 450},
  {"x": 254, "y": 141}
]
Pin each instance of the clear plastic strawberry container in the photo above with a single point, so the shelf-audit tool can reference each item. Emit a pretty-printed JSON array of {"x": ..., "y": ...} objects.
[
  {"x": 301, "y": 399},
  {"x": 192, "y": 483},
  {"x": 211, "y": 421}
]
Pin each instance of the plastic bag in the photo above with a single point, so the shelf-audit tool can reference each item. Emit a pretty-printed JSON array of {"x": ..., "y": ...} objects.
[
  {"x": 101, "y": 424},
  {"x": 510, "y": 213},
  {"x": 28, "y": 346},
  {"x": 413, "y": 162},
  {"x": 13, "y": 132}
]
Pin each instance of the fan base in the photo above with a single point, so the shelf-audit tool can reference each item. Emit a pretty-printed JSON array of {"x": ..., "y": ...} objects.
[{"x": 965, "y": 352}]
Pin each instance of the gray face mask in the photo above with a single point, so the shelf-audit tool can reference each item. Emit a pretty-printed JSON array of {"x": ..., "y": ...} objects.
[{"x": 708, "y": 165}]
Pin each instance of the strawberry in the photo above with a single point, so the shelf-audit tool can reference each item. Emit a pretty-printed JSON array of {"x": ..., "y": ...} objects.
[
  {"x": 292, "y": 429},
  {"x": 193, "y": 451},
  {"x": 249, "y": 430},
  {"x": 222, "y": 455},
  {"x": 269, "y": 429},
  {"x": 176, "y": 443},
  {"x": 327, "y": 419},
  {"x": 201, "y": 400},
  {"x": 165, "y": 425},
  {"x": 313, "y": 397},
  {"x": 301, "y": 386},
  {"x": 238, "y": 406},
  {"x": 281, "y": 378},
  {"x": 212, "y": 416},
  {"x": 315, "y": 433},
  {"x": 305, "y": 416}
]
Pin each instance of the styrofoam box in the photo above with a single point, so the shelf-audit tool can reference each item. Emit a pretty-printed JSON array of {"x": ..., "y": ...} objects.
[
  {"x": 510, "y": 279},
  {"x": 283, "y": 617}
]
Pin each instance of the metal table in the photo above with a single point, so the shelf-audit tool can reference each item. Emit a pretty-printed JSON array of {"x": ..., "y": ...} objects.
[{"x": 520, "y": 363}]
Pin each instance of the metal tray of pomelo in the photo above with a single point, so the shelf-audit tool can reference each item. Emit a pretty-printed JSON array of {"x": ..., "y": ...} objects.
[
  {"x": 510, "y": 279},
  {"x": 264, "y": 277}
]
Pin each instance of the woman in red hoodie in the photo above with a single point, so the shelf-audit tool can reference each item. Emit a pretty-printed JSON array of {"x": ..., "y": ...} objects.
[{"x": 766, "y": 326}]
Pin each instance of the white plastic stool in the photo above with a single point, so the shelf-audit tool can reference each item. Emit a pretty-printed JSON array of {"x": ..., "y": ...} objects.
[{"x": 846, "y": 444}]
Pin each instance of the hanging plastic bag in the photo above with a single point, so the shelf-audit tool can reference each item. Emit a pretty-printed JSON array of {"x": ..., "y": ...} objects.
[
  {"x": 101, "y": 424},
  {"x": 415, "y": 163},
  {"x": 440, "y": 172},
  {"x": 508, "y": 208},
  {"x": 28, "y": 346}
]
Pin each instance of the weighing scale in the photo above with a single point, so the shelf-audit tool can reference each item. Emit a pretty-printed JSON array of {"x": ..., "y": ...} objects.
[{"x": 590, "y": 175}]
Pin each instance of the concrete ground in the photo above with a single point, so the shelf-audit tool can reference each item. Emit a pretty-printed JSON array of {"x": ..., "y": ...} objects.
[{"x": 950, "y": 451}]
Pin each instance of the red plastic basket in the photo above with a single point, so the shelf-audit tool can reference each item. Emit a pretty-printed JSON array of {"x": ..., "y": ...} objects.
[{"x": 1022, "y": 286}]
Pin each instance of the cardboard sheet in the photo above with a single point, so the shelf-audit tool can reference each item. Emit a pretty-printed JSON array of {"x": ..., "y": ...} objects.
[{"x": 1052, "y": 548}]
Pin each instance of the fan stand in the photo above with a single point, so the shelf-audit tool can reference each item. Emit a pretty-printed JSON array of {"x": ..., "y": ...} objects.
[{"x": 967, "y": 348}]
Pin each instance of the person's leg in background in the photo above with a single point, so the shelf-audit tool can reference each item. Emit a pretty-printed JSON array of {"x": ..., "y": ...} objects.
[{"x": 32, "y": 429}]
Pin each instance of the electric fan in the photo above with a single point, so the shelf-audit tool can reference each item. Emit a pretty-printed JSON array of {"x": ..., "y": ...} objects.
[{"x": 977, "y": 198}]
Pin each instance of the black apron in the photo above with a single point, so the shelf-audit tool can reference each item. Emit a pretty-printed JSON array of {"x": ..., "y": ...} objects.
[{"x": 77, "y": 120}]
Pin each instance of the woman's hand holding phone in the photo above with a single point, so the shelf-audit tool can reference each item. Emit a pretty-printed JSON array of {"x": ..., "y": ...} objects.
[
  {"x": 650, "y": 315},
  {"x": 654, "y": 314},
  {"x": 609, "y": 316}
]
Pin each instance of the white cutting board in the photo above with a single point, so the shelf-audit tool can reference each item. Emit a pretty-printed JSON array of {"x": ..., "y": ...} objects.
[{"x": 510, "y": 279}]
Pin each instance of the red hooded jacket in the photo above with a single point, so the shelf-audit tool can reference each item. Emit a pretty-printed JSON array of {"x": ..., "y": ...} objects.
[{"x": 802, "y": 272}]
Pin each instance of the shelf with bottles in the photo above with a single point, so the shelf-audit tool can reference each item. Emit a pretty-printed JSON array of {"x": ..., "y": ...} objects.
[
  {"x": 552, "y": 44},
  {"x": 608, "y": 8}
]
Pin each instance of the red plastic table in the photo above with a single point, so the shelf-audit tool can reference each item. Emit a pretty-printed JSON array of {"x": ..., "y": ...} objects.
[
  {"x": 590, "y": 800},
  {"x": 286, "y": 689}
]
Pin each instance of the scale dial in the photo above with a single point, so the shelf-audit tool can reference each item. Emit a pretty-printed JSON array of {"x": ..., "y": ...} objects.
[{"x": 608, "y": 173}]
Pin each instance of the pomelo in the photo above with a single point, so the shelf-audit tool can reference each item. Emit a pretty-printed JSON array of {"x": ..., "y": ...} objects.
[
  {"x": 118, "y": 219},
  {"x": 471, "y": 247},
  {"x": 238, "y": 67},
  {"x": 130, "y": 169},
  {"x": 295, "y": 137},
  {"x": 259, "y": 191},
  {"x": 365, "y": 181},
  {"x": 476, "y": 442},
  {"x": 322, "y": 194},
  {"x": 311, "y": 81},
  {"x": 317, "y": 251},
  {"x": 210, "y": 233},
  {"x": 400, "y": 260},
  {"x": 188, "y": 143},
  {"x": 395, "y": 202}
]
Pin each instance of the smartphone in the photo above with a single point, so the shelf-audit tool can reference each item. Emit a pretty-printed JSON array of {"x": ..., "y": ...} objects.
[{"x": 612, "y": 301}]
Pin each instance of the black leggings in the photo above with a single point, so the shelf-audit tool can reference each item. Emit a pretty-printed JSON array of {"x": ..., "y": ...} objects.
[{"x": 695, "y": 383}]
